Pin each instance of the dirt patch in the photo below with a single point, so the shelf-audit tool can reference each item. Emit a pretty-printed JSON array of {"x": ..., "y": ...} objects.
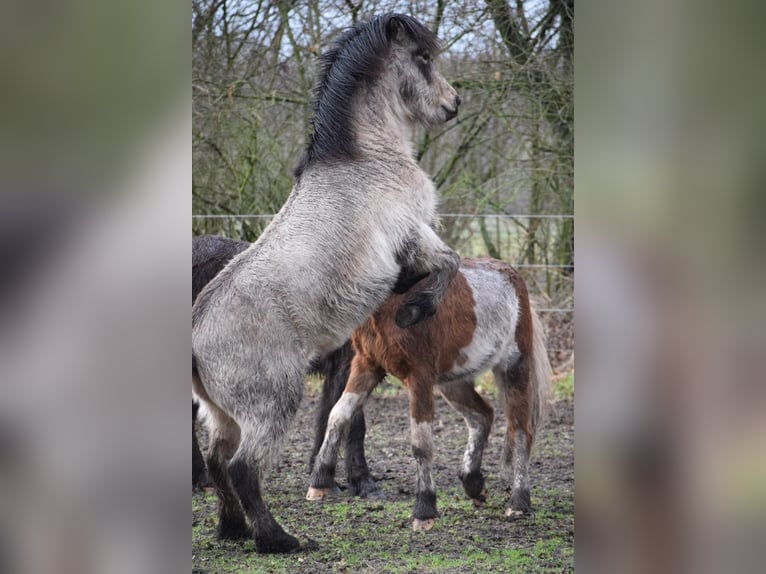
[{"x": 349, "y": 535}]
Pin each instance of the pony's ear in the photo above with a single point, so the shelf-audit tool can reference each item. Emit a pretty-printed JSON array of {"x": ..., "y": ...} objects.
[{"x": 395, "y": 30}]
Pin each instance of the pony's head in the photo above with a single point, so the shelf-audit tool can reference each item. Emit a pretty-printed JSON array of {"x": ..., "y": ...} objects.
[
  {"x": 390, "y": 59},
  {"x": 426, "y": 97}
]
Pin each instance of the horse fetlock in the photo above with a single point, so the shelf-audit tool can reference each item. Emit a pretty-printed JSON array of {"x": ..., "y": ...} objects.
[
  {"x": 520, "y": 504},
  {"x": 425, "y": 506},
  {"x": 473, "y": 484},
  {"x": 323, "y": 476}
]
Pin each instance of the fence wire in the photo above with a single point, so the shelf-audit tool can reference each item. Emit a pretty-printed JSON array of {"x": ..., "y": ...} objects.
[{"x": 202, "y": 227}]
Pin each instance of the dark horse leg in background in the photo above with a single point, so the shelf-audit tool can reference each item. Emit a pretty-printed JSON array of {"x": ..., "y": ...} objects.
[
  {"x": 336, "y": 367},
  {"x": 199, "y": 473}
]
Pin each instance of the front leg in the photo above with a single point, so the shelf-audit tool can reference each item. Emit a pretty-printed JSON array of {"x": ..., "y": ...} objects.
[
  {"x": 425, "y": 255},
  {"x": 420, "y": 389},
  {"x": 363, "y": 379}
]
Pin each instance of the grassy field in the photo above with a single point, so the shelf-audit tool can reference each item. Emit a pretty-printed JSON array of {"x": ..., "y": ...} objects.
[{"x": 347, "y": 535}]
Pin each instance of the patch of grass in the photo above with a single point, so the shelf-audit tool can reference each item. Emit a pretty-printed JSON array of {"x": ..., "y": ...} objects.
[
  {"x": 375, "y": 536},
  {"x": 485, "y": 386},
  {"x": 390, "y": 387},
  {"x": 314, "y": 384},
  {"x": 563, "y": 389},
  {"x": 353, "y": 536}
]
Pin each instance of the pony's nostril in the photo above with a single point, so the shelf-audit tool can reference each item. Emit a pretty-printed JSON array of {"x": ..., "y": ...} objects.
[{"x": 457, "y": 101}]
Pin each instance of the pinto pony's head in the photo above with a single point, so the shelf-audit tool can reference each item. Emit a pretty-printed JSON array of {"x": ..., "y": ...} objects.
[{"x": 386, "y": 64}]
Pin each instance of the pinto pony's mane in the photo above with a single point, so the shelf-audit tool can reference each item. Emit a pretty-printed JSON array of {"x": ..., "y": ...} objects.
[{"x": 356, "y": 58}]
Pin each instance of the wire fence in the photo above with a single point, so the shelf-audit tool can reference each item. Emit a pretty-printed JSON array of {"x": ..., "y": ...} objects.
[
  {"x": 232, "y": 227},
  {"x": 473, "y": 235}
]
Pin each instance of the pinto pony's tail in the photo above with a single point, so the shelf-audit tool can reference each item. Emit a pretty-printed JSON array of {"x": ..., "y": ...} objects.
[{"x": 541, "y": 373}]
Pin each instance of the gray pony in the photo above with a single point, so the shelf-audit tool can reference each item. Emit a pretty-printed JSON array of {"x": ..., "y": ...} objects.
[{"x": 356, "y": 226}]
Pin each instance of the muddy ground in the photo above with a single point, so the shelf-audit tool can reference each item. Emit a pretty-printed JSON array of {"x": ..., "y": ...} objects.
[{"x": 352, "y": 535}]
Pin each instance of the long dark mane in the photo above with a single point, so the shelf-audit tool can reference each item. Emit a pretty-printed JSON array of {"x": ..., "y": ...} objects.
[{"x": 356, "y": 58}]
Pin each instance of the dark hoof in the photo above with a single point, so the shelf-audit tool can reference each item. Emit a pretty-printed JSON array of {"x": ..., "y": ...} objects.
[
  {"x": 279, "y": 543},
  {"x": 473, "y": 484},
  {"x": 202, "y": 481},
  {"x": 366, "y": 488},
  {"x": 234, "y": 529},
  {"x": 309, "y": 546}
]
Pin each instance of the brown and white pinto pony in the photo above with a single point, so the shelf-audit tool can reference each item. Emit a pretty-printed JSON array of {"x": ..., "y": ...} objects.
[{"x": 485, "y": 321}]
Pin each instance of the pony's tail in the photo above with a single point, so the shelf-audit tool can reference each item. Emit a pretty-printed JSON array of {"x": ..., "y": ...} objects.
[{"x": 541, "y": 373}]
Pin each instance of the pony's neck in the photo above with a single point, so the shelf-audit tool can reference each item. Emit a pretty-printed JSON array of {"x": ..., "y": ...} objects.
[{"x": 383, "y": 125}]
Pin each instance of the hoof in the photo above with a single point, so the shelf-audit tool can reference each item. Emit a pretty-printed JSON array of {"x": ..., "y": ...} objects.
[
  {"x": 282, "y": 543},
  {"x": 515, "y": 514},
  {"x": 366, "y": 488},
  {"x": 317, "y": 493},
  {"x": 480, "y": 499},
  {"x": 233, "y": 529},
  {"x": 419, "y": 525},
  {"x": 377, "y": 494}
]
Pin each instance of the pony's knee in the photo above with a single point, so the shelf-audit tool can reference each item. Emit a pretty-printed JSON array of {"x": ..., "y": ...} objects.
[{"x": 344, "y": 410}]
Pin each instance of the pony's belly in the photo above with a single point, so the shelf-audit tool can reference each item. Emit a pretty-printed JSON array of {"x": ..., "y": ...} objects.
[{"x": 480, "y": 356}]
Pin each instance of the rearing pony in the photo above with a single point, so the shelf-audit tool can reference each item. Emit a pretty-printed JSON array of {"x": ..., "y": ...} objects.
[{"x": 359, "y": 214}]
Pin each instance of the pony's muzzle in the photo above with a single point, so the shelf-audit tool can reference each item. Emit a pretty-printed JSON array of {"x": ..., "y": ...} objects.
[
  {"x": 452, "y": 112},
  {"x": 449, "y": 113}
]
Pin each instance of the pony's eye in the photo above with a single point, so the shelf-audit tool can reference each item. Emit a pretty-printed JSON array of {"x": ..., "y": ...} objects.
[{"x": 425, "y": 57}]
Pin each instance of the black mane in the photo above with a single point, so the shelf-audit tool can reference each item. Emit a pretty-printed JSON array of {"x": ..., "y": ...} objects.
[{"x": 356, "y": 58}]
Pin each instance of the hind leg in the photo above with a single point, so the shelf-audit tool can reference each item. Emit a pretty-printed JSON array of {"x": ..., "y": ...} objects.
[
  {"x": 365, "y": 376},
  {"x": 514, "y": 384},
  {"x": 244, "y": 471},
  {"x": 478, "y": 416},
  {"x": 360, "y": 481},
  {"x": 263, "y": 421},
  {"x": 421, "y": 434},
  {"x": 224, "y": 438}
]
